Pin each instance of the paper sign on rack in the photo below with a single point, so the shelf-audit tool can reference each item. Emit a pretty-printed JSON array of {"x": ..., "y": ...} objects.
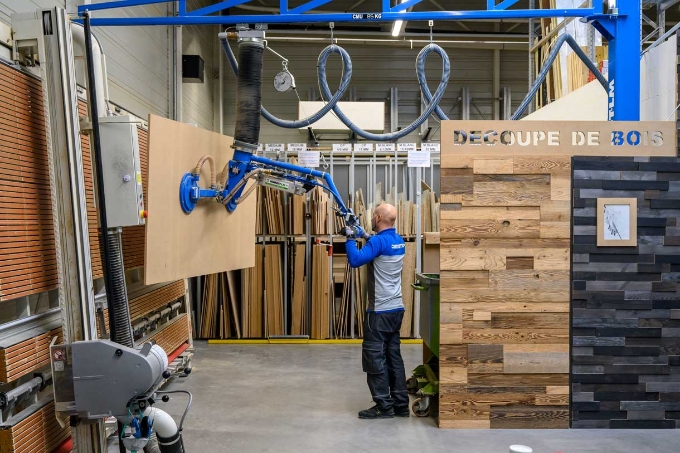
[
  {"x": 363, "y": 147},
  {"x": 382, "y": 147},
  {"x": 309, "y": 159},
  {"x": 297, "y": 147},
  {"x": 274, "y": 147},
  {"x": 418, "y": 159},
  {"x": 432, "y": 147},
  {"x": 343, "y": 147},
  {"x": 259, "y": 147},
  {"x": 406, "y": 147}
]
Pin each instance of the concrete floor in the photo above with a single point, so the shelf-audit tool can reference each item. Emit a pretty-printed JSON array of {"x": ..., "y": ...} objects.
[{"x": 293, "y": 398}]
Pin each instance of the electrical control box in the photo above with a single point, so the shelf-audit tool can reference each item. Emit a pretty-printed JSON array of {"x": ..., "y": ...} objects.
[{"x": 122, "y": 171}]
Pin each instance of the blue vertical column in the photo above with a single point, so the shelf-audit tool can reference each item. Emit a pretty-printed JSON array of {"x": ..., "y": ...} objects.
[{"x": 624, "y": 63}]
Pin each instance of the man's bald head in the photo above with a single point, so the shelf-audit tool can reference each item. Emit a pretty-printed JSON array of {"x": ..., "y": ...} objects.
[{"x": 384, "y": 217}]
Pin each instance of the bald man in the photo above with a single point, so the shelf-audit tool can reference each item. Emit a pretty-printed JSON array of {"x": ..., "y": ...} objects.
[{"x": 381, "y": 353}]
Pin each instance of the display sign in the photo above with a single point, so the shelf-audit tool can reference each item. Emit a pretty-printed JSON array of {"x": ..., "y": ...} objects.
[
  {"x": 297, "y": 147},
  {"x": 418, "y": 159},
  {"x": 274, "y": 147},
  {"x": 577, "y": 138},
  {"x": 342, "y": 147},
  {"x": 406, "y": 146},
  {"x": 363, "y": 147},
  {"x": 383, "y": 147},
  {"x": 309, "y": 158},
  {"x": 432, "y": 147}
]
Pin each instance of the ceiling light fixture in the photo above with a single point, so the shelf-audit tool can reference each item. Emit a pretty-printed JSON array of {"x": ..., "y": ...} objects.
[{"x": 397, "y": 26}]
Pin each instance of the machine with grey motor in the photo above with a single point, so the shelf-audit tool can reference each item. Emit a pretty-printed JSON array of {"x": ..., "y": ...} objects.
[{"x": 100, "y": 379}]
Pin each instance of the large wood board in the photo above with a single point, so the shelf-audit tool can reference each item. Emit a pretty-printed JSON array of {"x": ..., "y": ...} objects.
[{"x": 207, "y": 241}]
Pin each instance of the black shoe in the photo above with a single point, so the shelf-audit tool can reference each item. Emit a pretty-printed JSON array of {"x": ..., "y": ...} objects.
[
  {"x": 376, "y": 412},
  {"x": 402, "y": 411}
]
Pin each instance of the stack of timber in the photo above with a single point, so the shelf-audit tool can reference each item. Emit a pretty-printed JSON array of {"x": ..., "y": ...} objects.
[
  {"x": 220, "y": 307},
  {"x": 299, "y": 298},
  {"x": 505, "y": 248},
  {"x": 321, "y": 292},
  {"x": 23, "y": 354},
  {"x": 27, "y": 254},
  {"x": 252, "y": 297},
  {"x": 33, "y": 430}
]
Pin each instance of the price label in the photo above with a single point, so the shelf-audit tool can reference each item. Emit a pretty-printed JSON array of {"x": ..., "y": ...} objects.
[
  {"x": 259, "y": 147},
  {"x": 345, "y": 147},
  {"x": 297, "y": 147},
  {"x": 432, "y": 147},
  {"x": 363, "y": 147},
  {"x": 382, "y": 147},
  {"x": 309, "y": 159},
  {"x": 274, "y": 147},
  {"x": 406, "y": 146},
  {"x": 418, "y": 159}
]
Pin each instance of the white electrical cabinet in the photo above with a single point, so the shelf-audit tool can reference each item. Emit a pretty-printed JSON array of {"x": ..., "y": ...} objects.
[{"x": 122, "y": 171}]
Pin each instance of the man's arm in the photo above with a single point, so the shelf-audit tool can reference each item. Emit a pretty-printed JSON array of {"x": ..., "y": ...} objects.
[{"x": 368, "y": 252}]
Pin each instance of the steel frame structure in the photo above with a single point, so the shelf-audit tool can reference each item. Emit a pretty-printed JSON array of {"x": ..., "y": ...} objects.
[{"x": 620, "y": 26}]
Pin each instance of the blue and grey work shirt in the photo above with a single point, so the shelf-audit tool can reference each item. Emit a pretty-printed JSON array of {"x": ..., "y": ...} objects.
[{"x": 384, "y": 255}]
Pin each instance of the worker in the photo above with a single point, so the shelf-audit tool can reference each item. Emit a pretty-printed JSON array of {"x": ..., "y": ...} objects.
[{"x": 383, "y": 253}]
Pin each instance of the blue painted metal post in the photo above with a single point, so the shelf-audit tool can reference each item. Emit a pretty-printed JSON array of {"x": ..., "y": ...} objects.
[{"x": 624, "y": 63}]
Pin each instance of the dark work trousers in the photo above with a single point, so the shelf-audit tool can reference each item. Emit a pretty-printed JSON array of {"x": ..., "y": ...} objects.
[{"x": 381, "y": 359}]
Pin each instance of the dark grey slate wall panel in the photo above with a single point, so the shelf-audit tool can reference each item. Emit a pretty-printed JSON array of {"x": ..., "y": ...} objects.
[{"x": 625, "y": 358}]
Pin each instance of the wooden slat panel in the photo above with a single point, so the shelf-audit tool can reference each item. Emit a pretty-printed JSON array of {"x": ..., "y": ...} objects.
[
  {"x": 505, "y": 254},
  {"x": 172, "y": 336},
  {"x": 33, "y": 430},
  {"x": 27, "y": 255},
  {"x": 24, "y": 357}
]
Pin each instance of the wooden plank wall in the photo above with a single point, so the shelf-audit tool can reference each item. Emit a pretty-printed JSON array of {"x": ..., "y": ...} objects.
[
  {"x": 626, "y": 300},
  {"x": 27, "y": 257},
  {"x": 34, "y": 430},
  {"x": 505, "y": 235},
  {"x": 23, "y": 356}
]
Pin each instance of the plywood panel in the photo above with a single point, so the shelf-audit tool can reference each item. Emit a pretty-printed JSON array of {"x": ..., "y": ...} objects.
[
  {"x": 209, "y": 240},
  {"x": 504, "y": 259}
]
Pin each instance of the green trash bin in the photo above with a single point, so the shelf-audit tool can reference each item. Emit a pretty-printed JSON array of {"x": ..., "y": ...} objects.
[{"x": 428, "y": 285}]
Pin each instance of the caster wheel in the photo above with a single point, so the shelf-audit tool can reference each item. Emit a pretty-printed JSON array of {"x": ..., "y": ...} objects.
[
  {"x": 412, "y": 385},
  {"x": 421, "y": 407}
]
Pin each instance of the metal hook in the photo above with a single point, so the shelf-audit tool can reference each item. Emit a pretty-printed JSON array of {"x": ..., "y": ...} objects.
[
  {"x": 332, "y": 26},
  {"x": 431, "y": 24}
]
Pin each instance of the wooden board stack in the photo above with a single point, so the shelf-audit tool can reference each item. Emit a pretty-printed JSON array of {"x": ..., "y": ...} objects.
[
  {"x": 504, "y": 291},
  {"x": 321, "y": 292},
  {"x": 220, "y": 307},
  {"x": 173, "y": 336},
  {"x": 299, "y": 303},
  {"x": 408, "y": 276},
  {"x": 252, "y": 300},
  {"x": 22, "y": 354},
  {"x": 273, "y": 287},
  {"x": 36, "y": 429}
]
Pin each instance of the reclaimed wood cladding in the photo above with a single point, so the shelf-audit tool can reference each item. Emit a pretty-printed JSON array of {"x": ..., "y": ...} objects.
[
  {"x": 625, "y": 300},
  {"x": 27, "y": 256},
  {"x": 505, "y": 239}
]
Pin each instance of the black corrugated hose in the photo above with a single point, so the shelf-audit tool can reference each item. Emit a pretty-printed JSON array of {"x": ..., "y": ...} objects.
[{"x": 249, "y": 92}]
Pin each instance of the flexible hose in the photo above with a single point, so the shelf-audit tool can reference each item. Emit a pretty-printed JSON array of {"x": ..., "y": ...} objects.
[
  {"x": 118, "y": 296},
  {"x": 199, "y": 165},
  {"x": 344, "y": 84},
  {"x": 249, "y": 92},
  {"x": 420, "y": 63},
  {"x": 323, "y": 57}
]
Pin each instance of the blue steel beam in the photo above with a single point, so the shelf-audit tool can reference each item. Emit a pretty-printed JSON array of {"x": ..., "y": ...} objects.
[
  {"x": 308, "y": 6},
  {"x": 116, "y": 5},
  {"x": 341, "y": 17},
  {"x": 504, "y": 4},
  {"x": 403, "y": 6},
  {"x": 216, "y": 7}
]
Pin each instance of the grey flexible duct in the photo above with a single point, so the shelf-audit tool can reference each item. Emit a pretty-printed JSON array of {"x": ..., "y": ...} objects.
[
  {"x": 323, "y": 57},
  {"x": 344, "y": 84}
]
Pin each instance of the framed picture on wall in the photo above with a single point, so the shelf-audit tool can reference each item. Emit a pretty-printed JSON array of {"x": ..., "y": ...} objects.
[{"x": 616, "y": 222}]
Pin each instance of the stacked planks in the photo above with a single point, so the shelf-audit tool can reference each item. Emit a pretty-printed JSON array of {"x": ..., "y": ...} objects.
[
  {"x": 504, "y": 330},
  {"x": 252, "y": 297},
  {"x": 408, "y": 277},
  {"x": 299, "y": 300},
  {"x": 27, "y": 250},
  {"x": 321, "y": 292},
  {"x": 35, "y": 429},
  {"x": 174, "y": 335},
  {"x": 153, "y": 300},
  {"x": 21, "y": 355},
  {"x": 273, "y": 287},
  {"x": 219, "y": 311}
]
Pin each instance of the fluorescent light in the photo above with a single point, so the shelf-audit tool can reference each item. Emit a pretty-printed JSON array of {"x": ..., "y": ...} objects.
[{"x": 396, "y": 27}]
